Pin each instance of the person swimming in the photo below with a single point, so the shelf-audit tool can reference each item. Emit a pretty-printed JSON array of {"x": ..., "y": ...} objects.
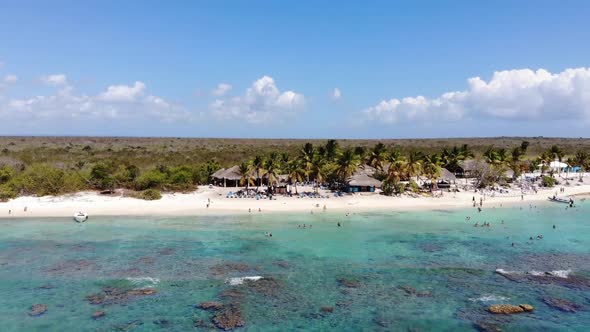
[
  {"x": 339, "y": 225},
  {"x": 553, "y": 226}
]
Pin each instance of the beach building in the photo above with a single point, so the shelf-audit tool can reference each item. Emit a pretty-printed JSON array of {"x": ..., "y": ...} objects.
[
  {"x": 471, "y": 168},
  {"x": 446, "y": 179},
  {"x": 361, "y": 182},
  {"x": 228, "y": 178}
]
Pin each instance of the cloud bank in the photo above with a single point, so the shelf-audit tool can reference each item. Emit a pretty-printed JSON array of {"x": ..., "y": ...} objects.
[
  {"x": 262, "y": 101},
  {"x": 520, "y": 94},
  {"x": 117, "y": 102}
]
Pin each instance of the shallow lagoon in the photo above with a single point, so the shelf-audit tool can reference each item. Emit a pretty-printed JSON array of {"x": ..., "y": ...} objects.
[{"x": 419, "y": 271}]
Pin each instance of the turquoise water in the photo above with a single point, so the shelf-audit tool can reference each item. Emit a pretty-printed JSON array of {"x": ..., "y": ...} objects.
[{"x": 366, "y": 270}]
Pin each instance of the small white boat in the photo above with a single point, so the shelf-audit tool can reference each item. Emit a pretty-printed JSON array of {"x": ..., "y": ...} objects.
[
  {"x": 560, "y": 200},
  {"x": 81, "y": 217}
]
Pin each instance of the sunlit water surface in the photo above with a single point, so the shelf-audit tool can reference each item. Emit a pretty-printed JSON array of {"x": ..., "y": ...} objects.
[{"x": 390, "y": 271}]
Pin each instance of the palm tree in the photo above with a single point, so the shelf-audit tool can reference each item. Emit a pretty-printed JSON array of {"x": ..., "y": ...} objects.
[
  {"x": 431, "y": 168},
  {"x": 398, "y": 170},
  {"x": 361, "y": 151},
  {"x": 491, "y": 156},
  {"x": 377, "y": 156},
  {"x": 318, "y": 165},
  {"x": 544, "y": 160},
  {"x": 272, "y": 167},
  {"x": 331, "y": 150},
  {"x": 306, "y": 156},
  {"x": 393, "y": 157},
  {"x": 556, "y": 152},
  {"x": 414, "y": 163},
  {"x": 258, "y": 168},
  {"x": 245, "y": 172},
  {"x": 581, "y": 159},
  {"x": 294, "y": 172},
  {"x": 348, "y": 162}
]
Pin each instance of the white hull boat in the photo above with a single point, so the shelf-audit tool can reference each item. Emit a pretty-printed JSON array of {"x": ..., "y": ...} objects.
[{"x": 81, "y": 217}]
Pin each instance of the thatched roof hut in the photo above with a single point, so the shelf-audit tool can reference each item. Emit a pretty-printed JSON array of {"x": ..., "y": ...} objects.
[
  {"x": 363, "y": 180},
  {"x": 473, "y": 166},
  {"x": 447, "y": 176},
  {"x": 232, "y": 173},
  {"x": 218, "y": 174}
]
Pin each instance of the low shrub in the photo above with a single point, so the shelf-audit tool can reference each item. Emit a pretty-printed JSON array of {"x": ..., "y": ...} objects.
[
  {"x": 548, "y": 181},
  {"x": 149, "y": 195}
]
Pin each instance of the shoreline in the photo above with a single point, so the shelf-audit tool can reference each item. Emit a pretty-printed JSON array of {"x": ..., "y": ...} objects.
[{"x": 195, "y": 203}]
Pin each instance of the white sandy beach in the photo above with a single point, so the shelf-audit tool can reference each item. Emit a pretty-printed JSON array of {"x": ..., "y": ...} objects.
[{"x": 195, "y": 203}]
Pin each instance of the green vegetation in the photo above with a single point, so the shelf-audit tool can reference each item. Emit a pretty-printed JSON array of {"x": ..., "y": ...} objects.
[
  {"x": 548, "y": 181},
  {"x": 58, "y": 165}
]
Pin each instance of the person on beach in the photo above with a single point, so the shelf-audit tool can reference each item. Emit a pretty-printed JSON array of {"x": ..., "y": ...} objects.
[
  {"x": 249, "y": 210},
  {"x": 26, "y": 209},
  {"x": 259, "y": 210}
]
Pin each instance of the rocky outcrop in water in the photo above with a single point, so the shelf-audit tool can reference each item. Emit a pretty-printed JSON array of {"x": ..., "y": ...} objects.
[
  {"x": 98, "y": 314},
  {"x": 228, "y": 318},
  {"x": 37, "y": 310},
  {"x": 267, "y": 286},
  {"x": 349, "y": 283},
  {"x": 327, "y": 309},
  {"x": 562, "y": 304},
  {"x": 412, "y": 291},
  {"x": 128, "y": 326},
  {"x": 230, "y": 267},
  {"x": 112, "y": 295},
  {"x": 71, "y": 267},
  {"x": 210, "y": 305},
  {"x": 509, "y": 309}
]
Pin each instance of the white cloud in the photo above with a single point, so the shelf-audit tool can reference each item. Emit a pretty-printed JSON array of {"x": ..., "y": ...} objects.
[
  {"x": 123, "y": 92},
  {"x": 261, "y": 102},
  {"x": 55, "y": 80},
  {"x": 336, "y": 94},
  {"x": 117, "y": 102},
  {"x": 509, "y": 94},
  {"x": 221, "y": 89},
  {"x": 10, "y": 79}
]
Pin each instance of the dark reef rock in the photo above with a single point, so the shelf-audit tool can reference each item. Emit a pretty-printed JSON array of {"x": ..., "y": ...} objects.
[
  {"x": 228, "y": 318},
  {"x": 229, "y": 267},
  {"x": 161, "y": 322},
  {"x": 562, "y": 304},
  {"x": 485, "y": 326},
  {"x": 128, "y": 326},
  {"x": 71, "y": 266},
  {"x": 327, "y": 309},
  {"x": 210, "y": 305},
  {"x": 97, "y": 314},
  {"x": 37, "y": 310},
  {"x": 283, "y": 264},
  {"x": 349, "y": 283},
  {"x": 412, "y": 291},
  {"x": 268, "y": 286},
  {"x": 112, "y": 295},
  {"x": 166, "y": 251}
]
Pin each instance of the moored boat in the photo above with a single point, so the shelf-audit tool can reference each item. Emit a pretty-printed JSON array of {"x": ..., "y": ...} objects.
[
  {"x": 81, "y": 217},
  {"x": 560, "y": 200}
]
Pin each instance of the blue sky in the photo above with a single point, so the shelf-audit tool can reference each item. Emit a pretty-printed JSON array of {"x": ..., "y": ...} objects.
[{"x": 154, "y": 68}]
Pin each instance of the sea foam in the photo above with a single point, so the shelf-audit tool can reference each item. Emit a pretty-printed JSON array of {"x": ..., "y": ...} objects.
[
  {"x": 489, "y": 298},
  {"x": 239, "y": 281},
  {"x": 144, "y": 281}
]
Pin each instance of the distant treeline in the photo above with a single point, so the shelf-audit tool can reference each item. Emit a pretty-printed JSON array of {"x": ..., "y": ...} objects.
[{"x": 58, "y": 165}]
